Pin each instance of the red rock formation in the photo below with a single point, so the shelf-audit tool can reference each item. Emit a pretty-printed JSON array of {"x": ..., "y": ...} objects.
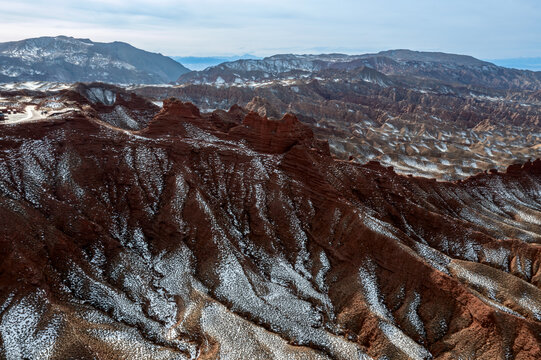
[
  {"x": 199, "y": 238},
  {"x": 275, "y": 136},
  {"x": 173, "y": 114},
  {"x": 447, "y": 132},
  {"x": 263, "y": 107}
]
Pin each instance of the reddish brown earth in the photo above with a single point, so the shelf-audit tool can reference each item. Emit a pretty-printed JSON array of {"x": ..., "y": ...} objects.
[
  {"x": 231, "y": 236},
  {"x": 449, "y": 132}
]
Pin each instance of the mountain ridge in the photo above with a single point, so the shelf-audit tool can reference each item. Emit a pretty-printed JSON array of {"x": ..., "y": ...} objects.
[
  {"x": 68, "y": 59},
  {"x": 196, "y": 63},
  {"x": 444, "y": 68}
]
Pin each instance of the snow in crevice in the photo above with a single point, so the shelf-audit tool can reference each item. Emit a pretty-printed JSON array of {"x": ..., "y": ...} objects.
[
  {"x": 101, "y": 95},
  {"x": 372, "y": 294},
  {"x": 479, "y": 282},
  {"x": 179, "y": 199},
  {"x": 229, "y": 330},
  {"x": 524, "y": 267},
  {"x": 498, "y": 257},
  {"x": 413, "y": 315},
  {"x": 151, "y": 166},
  {"x": 301, "y": 240},
  {"x": 25, "y": 331},
  {"x": 35, "y": 157},
  {"x": 377, "y": 225},
  {"x": 322, "y": 273},
  {"x": 142, "y": 303},
  {"x": 284, "y": 274},
  {"x": 283, "y": 303},
  {"x": 403, "y": 342},
  {"x": 433, "y": 257},
  {"x": 531, "y": 305}
]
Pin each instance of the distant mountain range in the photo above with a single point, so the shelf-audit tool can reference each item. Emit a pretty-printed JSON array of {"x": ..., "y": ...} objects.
[
  {"x": 66, "y": 59},
  {"x": 197, "y": 63},
  {"x": 403, "y": 67}
]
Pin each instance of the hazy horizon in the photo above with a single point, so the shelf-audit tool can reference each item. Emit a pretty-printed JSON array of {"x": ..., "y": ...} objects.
[
  {"x": 196, "y": 62},
  {"x": 254, "y": 55},
  {"x": 485, "y": 29}
]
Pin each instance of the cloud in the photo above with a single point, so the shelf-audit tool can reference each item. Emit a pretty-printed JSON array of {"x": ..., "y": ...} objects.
[{"x": 486, "y": 29}]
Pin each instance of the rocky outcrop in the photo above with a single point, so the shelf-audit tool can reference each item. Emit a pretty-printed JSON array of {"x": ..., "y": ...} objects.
[
  {"x": 229, "y": 235},
  {"x": 111, "y": 104},
  {"x": 275, "y": 136},
  {"x": 263, "y": 107}
]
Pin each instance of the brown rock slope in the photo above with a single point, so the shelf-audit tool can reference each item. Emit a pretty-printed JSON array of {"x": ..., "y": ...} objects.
[
  {"x": 231, "y": 237},
  {"x": 448, "y": 132}
]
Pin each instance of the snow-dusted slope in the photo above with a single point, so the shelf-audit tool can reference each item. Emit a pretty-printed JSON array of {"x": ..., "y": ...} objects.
[
  {"x": 35, "y": 86},
  {"x": 66, "y": 59},
  {"x": 413, "y": 65},
  {"x": 226, "y": 237}
]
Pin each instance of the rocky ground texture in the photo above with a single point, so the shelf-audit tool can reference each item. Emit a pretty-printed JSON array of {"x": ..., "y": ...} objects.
[{"x": 231, "y": 236}]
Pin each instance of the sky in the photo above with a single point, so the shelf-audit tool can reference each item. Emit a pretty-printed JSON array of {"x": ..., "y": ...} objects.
[{"x": 485, "y": 29}]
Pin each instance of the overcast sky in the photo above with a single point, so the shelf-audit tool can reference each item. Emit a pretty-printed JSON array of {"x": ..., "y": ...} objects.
[{"x": 482, "y": 28}]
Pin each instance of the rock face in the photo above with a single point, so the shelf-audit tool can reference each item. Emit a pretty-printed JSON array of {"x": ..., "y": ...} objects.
[
  {"x": 232, "y": 236},
  {"x": 263, "y": 107},
  {"x": 111, "y": 104},
  {"x": 66, "y": 59}
]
